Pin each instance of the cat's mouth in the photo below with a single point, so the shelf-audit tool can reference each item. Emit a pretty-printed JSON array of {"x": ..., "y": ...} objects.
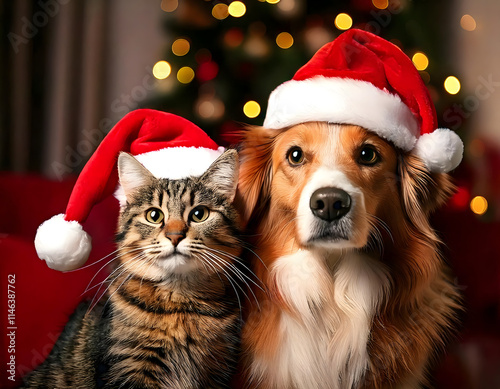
[
  {"x": 173, "y": 254},
  {"x": 177, "y": 262},
  {"x": 169, "y": 253}
]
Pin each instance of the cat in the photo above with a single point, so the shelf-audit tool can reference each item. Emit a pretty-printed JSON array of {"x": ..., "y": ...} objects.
[{"x": 171, "y": 317}]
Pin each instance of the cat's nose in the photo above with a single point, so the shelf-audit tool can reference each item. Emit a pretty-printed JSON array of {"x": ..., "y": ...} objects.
[
  {"x": 175, "y": 231},
  {"x": 175, "y": 237}
]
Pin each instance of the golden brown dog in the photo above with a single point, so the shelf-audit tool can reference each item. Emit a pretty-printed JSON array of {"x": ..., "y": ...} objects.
[{"x": 355, "y": 294}]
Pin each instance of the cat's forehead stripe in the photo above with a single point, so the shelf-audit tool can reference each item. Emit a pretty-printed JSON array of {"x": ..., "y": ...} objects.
[{"x": 160, "y": 197}]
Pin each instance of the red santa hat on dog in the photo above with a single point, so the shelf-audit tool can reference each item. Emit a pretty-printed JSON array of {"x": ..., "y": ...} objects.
[
  {"x": 362, "y": 79},
  {"x": 169, "y": 146}
]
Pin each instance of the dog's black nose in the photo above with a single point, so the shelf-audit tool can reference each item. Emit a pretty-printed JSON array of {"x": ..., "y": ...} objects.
[{"x": 330, "y": 204}]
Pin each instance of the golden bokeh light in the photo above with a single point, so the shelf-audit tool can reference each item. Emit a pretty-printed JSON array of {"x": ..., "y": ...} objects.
[
  {"x": 237, "y": 9},
  {"x": 161, "y": 70},
  {"x": 169, "y": 5},
  {"x": 380, "y": 4},
  {"x": 420, "y": 61},
  {"x": 468, "y": 23},
  {"x": 181, "y": 47},
  {"x": 273, "y": 1},
  {"x": 251, "y": 109},
  {"x": 185, "y": 75},
  {"x": 479, "y": 205},
  {"x": 452, "y": 85},
  {"x": 284, "y": 40},
  {"x": 343, "y": 21},
  {"x": 220, "y": 11}
]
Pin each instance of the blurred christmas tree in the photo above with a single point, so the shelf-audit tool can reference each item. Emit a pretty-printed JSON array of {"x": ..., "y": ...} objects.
[{"x": 225, "y": 57}]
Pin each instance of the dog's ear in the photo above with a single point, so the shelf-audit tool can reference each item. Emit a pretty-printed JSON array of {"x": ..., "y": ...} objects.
[
  {"x": 255, "y": 152},
  {"x": 422, "y": 192}
]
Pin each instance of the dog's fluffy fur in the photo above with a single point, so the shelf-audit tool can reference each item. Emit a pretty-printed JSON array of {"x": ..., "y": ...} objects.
[{"x": 366, "y": 303}]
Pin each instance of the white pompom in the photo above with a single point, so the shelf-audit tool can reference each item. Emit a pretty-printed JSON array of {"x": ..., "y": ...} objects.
[
  {"x": 441, "y": 150},
  {"x": 63, "y": 244}
]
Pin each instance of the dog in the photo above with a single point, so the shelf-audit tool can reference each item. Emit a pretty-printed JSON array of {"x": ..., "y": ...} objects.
[{"x": 354, "y": 291}]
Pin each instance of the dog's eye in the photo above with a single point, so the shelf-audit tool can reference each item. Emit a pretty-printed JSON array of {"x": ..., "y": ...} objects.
[
  {"x": 295, "y": 156},
  {"x": 154, "y": 215},
  {"x": 368, "y": 156}
]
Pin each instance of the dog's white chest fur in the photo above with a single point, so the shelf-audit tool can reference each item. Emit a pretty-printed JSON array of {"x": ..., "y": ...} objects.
[{"x": 324, "y": 340}]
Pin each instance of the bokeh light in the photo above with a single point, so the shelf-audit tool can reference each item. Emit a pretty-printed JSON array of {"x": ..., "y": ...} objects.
[
  {"x": 207, "y": 71},
  {"x": 210, "y": 108},
  {"x": 237, "y": 9},
  {"x": 161, "y": 70},
  {"x": 420, "y": 61},
  {"x": 233, "y": 37},
  {"x": 479, "y": 205},
  {"x": 468, "y": 23},
  {"x": 220, "y": 11},
  {"x": 461, "y": 198},
  {"x": 380, "y": 4},
  {"x": 251, "y": 109},
  {"x": 476, "y": 148},
  {"x": 284, "y": 40},
  {"x": 343, "y": 21},
  {"x": 452, "y": 85},
  {"x": 169, "y": 5},
  {"x": 273, "y": 1},
  {"x": 180, "y": 47},
  {"x": 185, "y": 75},
  {"x": 426, "y": 77}
]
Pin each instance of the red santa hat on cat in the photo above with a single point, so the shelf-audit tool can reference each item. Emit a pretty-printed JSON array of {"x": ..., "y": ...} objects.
[
  {"x": 362, "y": 79},
  {"x": 169, "y": 146}
]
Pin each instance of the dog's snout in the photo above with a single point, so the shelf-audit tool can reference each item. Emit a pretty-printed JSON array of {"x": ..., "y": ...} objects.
[{"x": 330, "y": 204}]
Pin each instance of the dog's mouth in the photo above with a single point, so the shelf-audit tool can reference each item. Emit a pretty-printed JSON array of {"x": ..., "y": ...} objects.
[{"x": 330, "y": 232}]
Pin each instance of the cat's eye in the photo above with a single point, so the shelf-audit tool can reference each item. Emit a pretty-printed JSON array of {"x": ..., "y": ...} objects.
[
  {"x": 199, "y": 214},
  {"x": 154, "y": 215},
  {"x": 368, "y": 156},
  {"x": 295, "y": 156}
]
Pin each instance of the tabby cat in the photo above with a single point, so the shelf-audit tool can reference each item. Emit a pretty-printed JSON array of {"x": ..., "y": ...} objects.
[{"x": 171, "y": 316}]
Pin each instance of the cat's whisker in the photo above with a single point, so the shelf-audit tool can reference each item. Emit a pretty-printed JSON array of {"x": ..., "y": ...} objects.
[
  {"x": 139, "y": 256},
  {"x": 109, "y": 275},
  {"x": 142, "y": 278},
  {"x": 228, "y": 276},
  {"x": 111, "y": 260},
  {"x": 96, "y": 299},
  {"x": 235, "y": 258},
  {"x": 210, "y": 263},
  {"x": 238, "y": 274},
  {"x": 230, "y": 256},
  {"x": 246, "y": 246},
  {"x": 203, "y": 263},
  {"x": 107, "y": 279},
  {"x": 94, "y": 263},
  {"x": 119, "y": 286},
  {"x": 235, "y": 271}
]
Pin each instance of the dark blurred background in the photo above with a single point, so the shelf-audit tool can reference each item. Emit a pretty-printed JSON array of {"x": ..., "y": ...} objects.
[{"x": 69, "y": 69}]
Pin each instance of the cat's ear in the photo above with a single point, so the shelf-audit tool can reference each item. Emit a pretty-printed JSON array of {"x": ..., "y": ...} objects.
[
  {"x": 132, "y": 174},
  {"x": 223, "y": 174}
]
